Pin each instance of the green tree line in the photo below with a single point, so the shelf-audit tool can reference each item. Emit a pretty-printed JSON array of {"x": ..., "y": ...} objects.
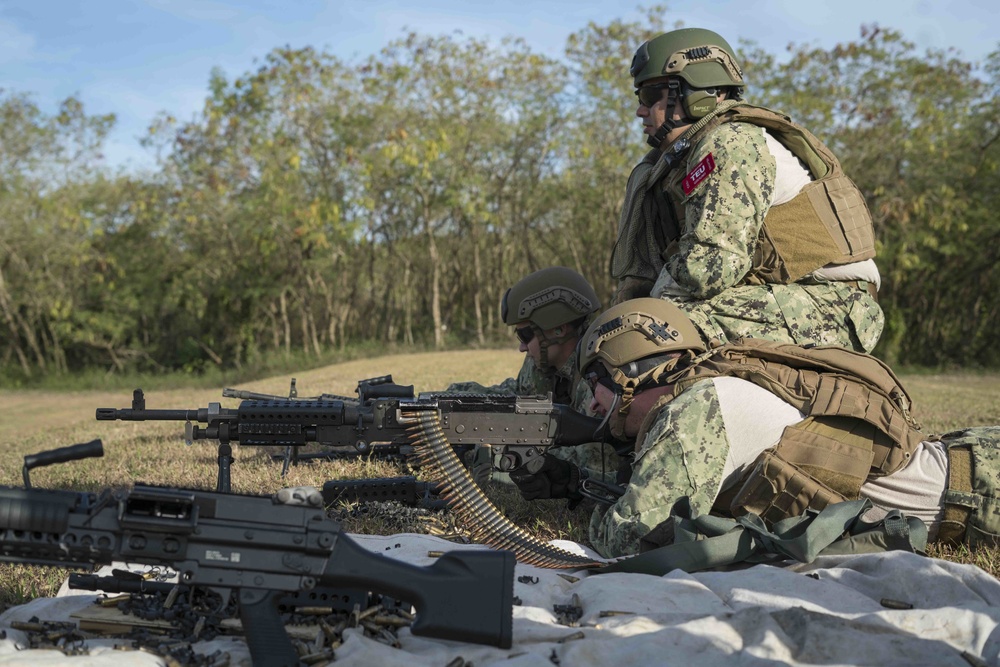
[{"x": 315, "y": 203}]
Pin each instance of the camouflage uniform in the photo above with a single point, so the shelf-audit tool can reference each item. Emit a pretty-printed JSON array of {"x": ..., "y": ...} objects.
[
  {"x": 530, "y": 381},
  {"x": 983, "y": 525},
  {"x": 683, "y": 455},
  {"x": 723, "y": 216}
]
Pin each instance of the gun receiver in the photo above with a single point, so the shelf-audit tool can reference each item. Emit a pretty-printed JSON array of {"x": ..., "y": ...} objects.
[
  {"x": 521, "y": 428},
  {"x": 376, "y": 387},
  {"x": 258, "y": 550}
]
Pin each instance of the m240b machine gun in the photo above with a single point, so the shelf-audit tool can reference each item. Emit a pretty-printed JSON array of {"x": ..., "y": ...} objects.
[
  {"x": 256, "y": 549},
  {"x": 519, "y": 429}
]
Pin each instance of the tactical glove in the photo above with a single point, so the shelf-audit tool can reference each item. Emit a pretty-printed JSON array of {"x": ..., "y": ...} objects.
[{"x": 555, "y": 479}]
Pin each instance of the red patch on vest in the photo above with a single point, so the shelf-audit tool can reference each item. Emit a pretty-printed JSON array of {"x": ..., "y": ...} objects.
[{"x": 698, "y": 174}]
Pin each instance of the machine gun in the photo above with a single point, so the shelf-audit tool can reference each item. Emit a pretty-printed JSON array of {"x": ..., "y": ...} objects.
[
  {"x": 257, "y": 550},
  {"x": 519, "y": 429},
  {"x": 382, "y": 386}
]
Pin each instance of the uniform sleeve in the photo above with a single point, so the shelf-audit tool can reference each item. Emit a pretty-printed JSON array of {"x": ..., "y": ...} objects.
[
  {"x": 724, "y": 211},
  {"x": 683, "y": 454},
  {"x": 529, "y": 382},
  {"x": 507, "y": 387}
]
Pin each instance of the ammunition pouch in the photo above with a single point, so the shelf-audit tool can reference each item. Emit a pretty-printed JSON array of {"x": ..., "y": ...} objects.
[
  {"x": 818, "y": 461},
  {"x": 959, "y": 501}
]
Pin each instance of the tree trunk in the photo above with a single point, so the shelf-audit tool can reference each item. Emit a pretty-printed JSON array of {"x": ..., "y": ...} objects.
[{"x": 435, "y": 261}]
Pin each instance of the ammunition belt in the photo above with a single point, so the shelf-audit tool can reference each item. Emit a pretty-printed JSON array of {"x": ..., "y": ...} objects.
[{"x": 487, "y": 524}]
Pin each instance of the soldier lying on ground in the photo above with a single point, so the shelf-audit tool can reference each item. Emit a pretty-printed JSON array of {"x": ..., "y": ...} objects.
[{"x": 768, "y": 428}]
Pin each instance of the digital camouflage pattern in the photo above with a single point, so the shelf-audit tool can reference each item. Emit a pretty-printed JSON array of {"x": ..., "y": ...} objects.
[
  {"x": 530, "y": 381},
  {"x": 724, "y": 213},
  {"x": 984, "y": 522},
  {"x": 820, "y": 314},
  {"x": 682, "y": 454},
  {"x": 723, "y": 216}
]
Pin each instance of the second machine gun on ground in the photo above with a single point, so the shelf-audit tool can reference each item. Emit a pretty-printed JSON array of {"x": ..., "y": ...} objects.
[
  {"x": 253, "y": 549},
  {"x": 519, "y": 429}
]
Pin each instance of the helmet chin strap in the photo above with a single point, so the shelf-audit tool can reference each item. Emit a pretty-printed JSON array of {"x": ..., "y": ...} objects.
[
  {"x": 657, "y": 139},
  {"x": 602, "y": 429}
]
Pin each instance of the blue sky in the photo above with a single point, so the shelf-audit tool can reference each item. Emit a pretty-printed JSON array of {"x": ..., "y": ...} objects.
[{"x": 136, "y": 58}]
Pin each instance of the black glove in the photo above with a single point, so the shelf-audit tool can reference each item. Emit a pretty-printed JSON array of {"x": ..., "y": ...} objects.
[{"x": 555, "y": 479}]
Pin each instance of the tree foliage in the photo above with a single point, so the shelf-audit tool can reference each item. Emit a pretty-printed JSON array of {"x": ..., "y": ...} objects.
[{"x": 315, "y": 203}]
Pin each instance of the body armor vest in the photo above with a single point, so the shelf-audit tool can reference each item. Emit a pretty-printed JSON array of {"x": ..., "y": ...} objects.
[
  {"x": 828, "y": 222},
  {"x": 858, "y": 424}
]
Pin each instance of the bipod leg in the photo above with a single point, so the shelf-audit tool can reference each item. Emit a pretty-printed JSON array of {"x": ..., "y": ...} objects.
[{"x": 225, "y": 461}]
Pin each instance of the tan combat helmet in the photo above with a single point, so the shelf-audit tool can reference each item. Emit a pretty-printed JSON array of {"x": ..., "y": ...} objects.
[
  {"x": 547, "y": 299},
  {"x": 637, "y": 342}
]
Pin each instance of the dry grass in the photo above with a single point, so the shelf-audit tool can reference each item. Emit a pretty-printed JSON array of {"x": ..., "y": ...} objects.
[{"x": 153, "y": 452}]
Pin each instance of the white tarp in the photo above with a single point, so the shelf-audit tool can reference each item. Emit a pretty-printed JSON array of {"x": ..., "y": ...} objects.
[{"x": 827, "y": 613}]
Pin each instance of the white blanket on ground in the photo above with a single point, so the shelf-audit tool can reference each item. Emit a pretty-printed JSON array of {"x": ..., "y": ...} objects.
[{"x": 763, "y": 615}]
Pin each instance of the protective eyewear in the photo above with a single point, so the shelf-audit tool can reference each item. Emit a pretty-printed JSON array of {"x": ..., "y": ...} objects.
[
  {"x": 653, "y": 93},
  {"x": 598, "y": 374},
  {"x": 525, "y": 334}
]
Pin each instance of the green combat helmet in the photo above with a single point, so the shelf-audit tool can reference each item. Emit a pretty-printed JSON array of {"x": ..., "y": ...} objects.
[
  {"x": 636, "y": 341},
  {"x": 696, "y": 63},
  {"x": 547, "y": 299},
  {"x": 701, "y": 57}
]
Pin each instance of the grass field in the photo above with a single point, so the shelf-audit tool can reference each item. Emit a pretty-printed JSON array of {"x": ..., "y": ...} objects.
[{"x": 154, "y": 452}]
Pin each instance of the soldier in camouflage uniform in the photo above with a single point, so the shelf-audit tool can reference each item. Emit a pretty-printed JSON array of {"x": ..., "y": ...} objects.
[
  {"x": 698, "y": 445},
  {"x": 549, "y": 310},
  {"x": 737, "y": 215}
]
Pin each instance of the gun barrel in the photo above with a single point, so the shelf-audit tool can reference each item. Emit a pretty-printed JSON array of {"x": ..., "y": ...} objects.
[{"x": 127, "y": 414}]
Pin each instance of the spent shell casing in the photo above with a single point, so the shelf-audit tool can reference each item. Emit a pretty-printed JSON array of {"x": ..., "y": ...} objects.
[
  {"x": 172, "y": 597},
  {"x": 314, "y": 611},
  {"x": 27, "y": 626},
  {"x": 370, "y": 611},
  {"x": 391, "y": 621},
  {"x": 114, "y": 600},
  {"x": 889, "y": 603}
]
